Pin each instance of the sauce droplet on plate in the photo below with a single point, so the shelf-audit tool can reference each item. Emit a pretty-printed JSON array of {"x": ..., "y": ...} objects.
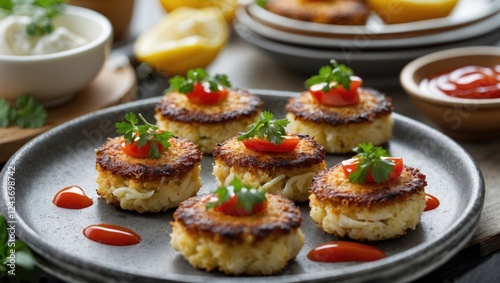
[
  {"x": 110, "y": 234},
  {"x": 72, "y": 197},
  {"x": 343, "y": 251},
  {"x": 431, "y": 202}
]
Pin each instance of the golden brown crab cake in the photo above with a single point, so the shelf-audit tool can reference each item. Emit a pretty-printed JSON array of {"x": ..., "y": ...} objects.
[
  {"x": 337, "y": 12},
  {"x": 287, "y": 174},
  {"x": 144, "y": 184},
  {"x": 340, "y": 129},
  {"x": 207, "y": 125},
  {"x": 258, "y": 244},
  {"x": 369, "y": 212}
]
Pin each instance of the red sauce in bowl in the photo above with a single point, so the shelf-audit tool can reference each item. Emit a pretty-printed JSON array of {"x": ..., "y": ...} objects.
[{"x": 474, "y": 82}]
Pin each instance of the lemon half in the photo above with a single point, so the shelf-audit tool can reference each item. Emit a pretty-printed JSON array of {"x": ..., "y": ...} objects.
[
  {"x": 227, "y": 7},
  {"x": 404, "y": 11},
  {"x": 184, "y": 39}
]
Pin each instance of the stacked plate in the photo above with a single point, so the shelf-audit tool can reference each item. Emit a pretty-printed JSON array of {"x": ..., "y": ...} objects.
[{"x": 375, "y": 51}]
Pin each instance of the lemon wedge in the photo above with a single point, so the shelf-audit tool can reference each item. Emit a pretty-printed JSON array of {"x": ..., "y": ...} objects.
[
  {"x": 404, "y": 11},
  {"x": 227, "y": 7},
  {"x": 184, "y": 39}
]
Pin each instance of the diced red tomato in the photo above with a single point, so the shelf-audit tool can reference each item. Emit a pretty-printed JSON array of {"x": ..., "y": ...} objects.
[
  {"x": 338, "y": 96},
  {"x": 350, "y": 165},
  {"x": 231, "y": 207},
  {"x": 131, "y": 149},
  {"x": 202, "y": 94},
  {"x": 262, "y": 145}
]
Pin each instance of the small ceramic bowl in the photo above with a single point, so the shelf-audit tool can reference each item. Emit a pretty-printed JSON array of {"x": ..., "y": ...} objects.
[
  {"x": 461, "y": 118},
  {"x": 118, "y": 12},
  {"x": 53, "y": 79}
]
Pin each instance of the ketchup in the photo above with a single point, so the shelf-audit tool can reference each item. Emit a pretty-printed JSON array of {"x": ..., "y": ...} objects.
[
  {"x": 431, "y": 202},
  {"x": 72, "y": 197},
  {"x": 343, "y": 251},
  {"x": 113, "y": 235},
  {"x": 467, "y": 82}
]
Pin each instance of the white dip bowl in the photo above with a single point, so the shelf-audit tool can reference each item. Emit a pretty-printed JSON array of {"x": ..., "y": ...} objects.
[{"x": 53, "y": 79}]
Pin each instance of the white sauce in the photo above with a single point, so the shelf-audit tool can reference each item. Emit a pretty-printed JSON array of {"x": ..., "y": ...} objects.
[{"x": 15, "y": 41}]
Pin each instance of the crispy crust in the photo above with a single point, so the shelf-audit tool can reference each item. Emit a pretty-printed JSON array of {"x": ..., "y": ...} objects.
[
  {"x": 280, "y": 218},
  {"x": 331, "y": 185},
  {"x": 372, "y": 105},
  {"x": 233, "y": 153},
  {"x": 346, "y": 12},
  {"x": 239, "y": 103},
  {"x": 179, "y": 159}
]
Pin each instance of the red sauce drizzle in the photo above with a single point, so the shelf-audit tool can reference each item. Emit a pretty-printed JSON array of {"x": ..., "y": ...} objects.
[
  {"x": 467, "y": 82},
  {"x": 72, "y": 197},
  {"x": 431, "y": 202},
  {"x": 342, "y": 251},
  {"x": 113, "y": 235}
]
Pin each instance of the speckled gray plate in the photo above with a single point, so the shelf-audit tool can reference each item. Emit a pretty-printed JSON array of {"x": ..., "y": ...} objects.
[{"x": 64, "y": 156}]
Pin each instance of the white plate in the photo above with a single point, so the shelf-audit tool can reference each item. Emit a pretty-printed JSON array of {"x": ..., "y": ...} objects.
[
  {"x": 475, "y": 29},
  {"x": 376, "y": 67},
  {"x": 466, "y": 12}
]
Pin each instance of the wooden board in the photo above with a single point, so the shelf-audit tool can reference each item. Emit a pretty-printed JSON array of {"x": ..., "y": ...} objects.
[{"x": 113, "y": 85}]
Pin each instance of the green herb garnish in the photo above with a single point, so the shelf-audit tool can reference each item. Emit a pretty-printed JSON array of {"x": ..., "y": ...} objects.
[
  {"x": 370, "y": 161},
  {"x": 266, "y": 128},
  {"x": 5, "y": 114},
  {"x": 143, "y": 134},
  {"x": 27, "y": 113},
  {"x": 261, "y": 3},
  {"x": 338, "y": 73},
  {"x": 198, "y": 75},
  {"x": 246, "y": 196},
  {"x": 23, "y": 268},
  {"x": 41, "y": 12}
]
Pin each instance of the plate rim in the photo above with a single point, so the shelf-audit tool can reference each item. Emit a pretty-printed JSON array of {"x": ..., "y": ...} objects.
[{"x": 468, "y": 222}]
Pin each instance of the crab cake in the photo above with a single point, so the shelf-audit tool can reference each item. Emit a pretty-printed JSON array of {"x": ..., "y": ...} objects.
[
  {"x": 207, "y": 125},
  {"x": 288, "y": 173},
  {"x": 340, "y": 129},
  {"x": 338, "y": 12},
  {"x": 258, "y": 244},
  {"x": 144, "y": 184},
  {"x": 370, "y": 211}
]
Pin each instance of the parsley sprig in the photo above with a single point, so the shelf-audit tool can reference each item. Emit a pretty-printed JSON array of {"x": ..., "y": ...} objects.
[
  {"x": 370, "y": 161},
  {"x": 198, "y": 75},
  {"x": 266, "y": 128},
  {"x": 143, "y": 134},
  {"x": 247, "y": 197},
  {"x": 338, "y": 73},
  {"x": 41, "y": 12},
  {"x": 27, "y": 113}
]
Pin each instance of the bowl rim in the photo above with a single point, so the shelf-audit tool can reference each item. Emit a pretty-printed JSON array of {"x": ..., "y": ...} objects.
[
  {"x": 101, "y": 20},
  {"x": 410, "y": 85}
]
